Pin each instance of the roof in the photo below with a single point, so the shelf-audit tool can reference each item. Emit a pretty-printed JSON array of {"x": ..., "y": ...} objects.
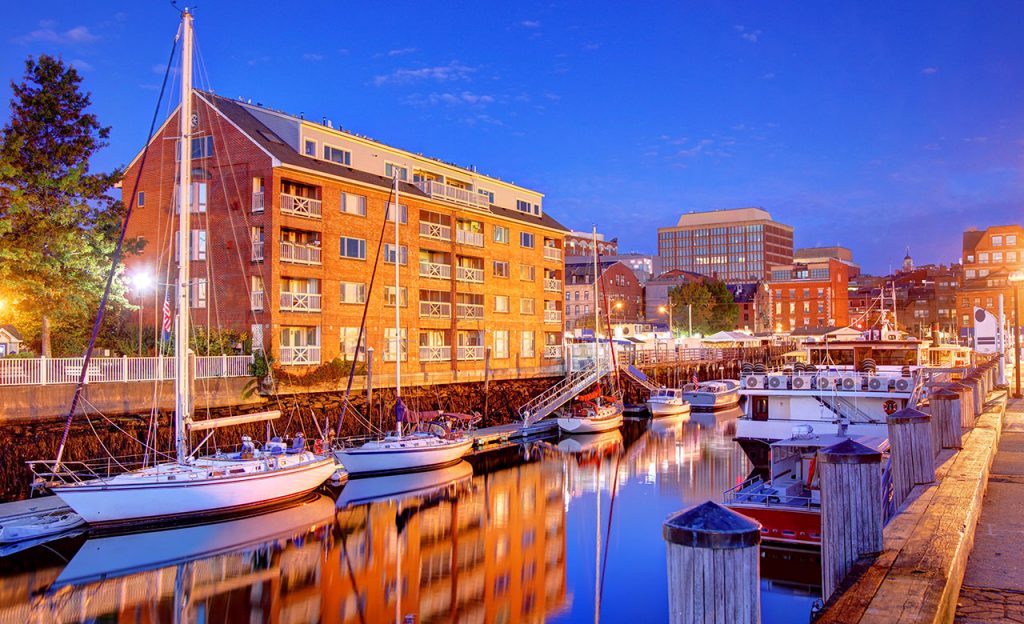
[
  {"x": 14, "y": 333},
  {"x": 586, "y": 269},
  {"x": 731, "y": 336},
  {"x": 728, "y": 215},
  {"x": 819, "y": 331},
  {"x": 278, "y": 148}
]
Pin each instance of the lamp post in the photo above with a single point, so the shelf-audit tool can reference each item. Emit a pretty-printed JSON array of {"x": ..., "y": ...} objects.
[
  {"x": 141, "y": 281},
  {"x": 667, "y": 309},
  {"x": 1015, "y": 280},
  {"x": 618, "y": 308}
]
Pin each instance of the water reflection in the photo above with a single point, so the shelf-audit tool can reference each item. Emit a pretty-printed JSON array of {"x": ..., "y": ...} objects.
[{"x": 558, "y": 530}]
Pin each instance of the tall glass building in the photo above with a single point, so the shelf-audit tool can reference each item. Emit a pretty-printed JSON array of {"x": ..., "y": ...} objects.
[{"x": 735, "y": 245}]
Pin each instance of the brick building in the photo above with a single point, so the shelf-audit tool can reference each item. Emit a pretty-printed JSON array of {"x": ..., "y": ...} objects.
[
  {"x": 289, "y": 217},
  {"x": 754, "y": 301},
  {"x": 809, "y": 295},
  {"x": 618, "y": 283},
  {"x": 989, "y": 257},
  {"x": 581, "y": 244}
]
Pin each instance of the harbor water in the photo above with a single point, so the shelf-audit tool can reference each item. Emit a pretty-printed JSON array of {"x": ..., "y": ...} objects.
[{"x": 558, "y": 530}]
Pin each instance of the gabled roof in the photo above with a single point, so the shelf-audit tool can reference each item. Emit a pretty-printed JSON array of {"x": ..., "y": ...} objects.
[{"x": 13, "y": 332}]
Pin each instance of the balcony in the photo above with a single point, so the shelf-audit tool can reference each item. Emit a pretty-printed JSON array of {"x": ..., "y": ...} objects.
[
  {"x": 552, "y": 285},
  {"x": 467, "y": 237},
  {"x": 300, "y": 302},
  {"x": 471, "y": 353},
  {"x": 553, "y": 253},
  {"x": 453, "y": 194},
  {"x": 552, "y": 316},
  {"x": 436, "y": 231},
  {"x": 300, "y": 206},
  {"x": 435, "y": 309},
  {"x": 257, "y": 251},
  {"x": 256, "y": 300},
  {"x": 433, "y": 269},
  {"x": 470, "y": 311},
  {"x": 257, "y": 201},
  {"x": 469, "y": 274},
  {"x": 309, "y": 354},
  {"x": 439, "y": 353},
  {"x": 299, "y": 254},
  {"x": 552, "y": 352}
]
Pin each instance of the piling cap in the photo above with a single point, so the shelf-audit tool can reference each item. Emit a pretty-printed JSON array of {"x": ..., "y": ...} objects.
[
  {"x": 944, "y": 395},
  {"x": 710, "y": 525},
  {"x": 849, "y": 452},
  {"x": 909, "y": 414}
]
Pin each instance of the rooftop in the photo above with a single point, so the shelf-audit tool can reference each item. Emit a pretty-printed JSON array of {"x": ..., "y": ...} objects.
[{"x": 729, "y": 215}]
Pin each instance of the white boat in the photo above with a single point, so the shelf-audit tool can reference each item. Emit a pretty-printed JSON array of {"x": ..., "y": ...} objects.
[
  {"x": 602, "y": 414},
  {"x": 717, "y": 394},
  {"x": 189, "y": 485},
  {"x": 599, "y": 443},
  {"x": 38, "y": 526},
  {"x": 400, "y": 451},
  {"x": 667, "y": 402}
]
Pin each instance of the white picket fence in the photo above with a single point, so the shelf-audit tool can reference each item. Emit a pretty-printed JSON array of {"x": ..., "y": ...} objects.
[{"x": 49, "y": 371}]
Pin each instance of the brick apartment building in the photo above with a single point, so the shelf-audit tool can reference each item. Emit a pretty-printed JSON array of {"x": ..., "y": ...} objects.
[
  {"x": 581, "y": 244},
  {"x": 288, "y": 216},
  {"x": 809, "y": 295},
  {"x": 989, "y": 257},
  {"x": 754, "y": 302},
  {"x": 624, "y": 291}
]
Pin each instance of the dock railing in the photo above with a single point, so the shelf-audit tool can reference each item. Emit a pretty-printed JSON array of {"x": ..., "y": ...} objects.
[{"x": 44, "y": 371}]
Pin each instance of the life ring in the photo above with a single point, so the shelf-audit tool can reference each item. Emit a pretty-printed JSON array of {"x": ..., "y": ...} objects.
[{"x": 890, "y": 407}]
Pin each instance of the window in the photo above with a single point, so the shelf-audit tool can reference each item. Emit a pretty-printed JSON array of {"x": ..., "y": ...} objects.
[
  {"x": 778, "y": 308},
  {"x": 353, "y": 248},
  {"x": 403, "y": 210},
  {"x": 997, "y": 241},
  {"x": 141, "y": 202},
  {"x": 523, "y": 206},
  {"x": 501, "y": 303},
  {"x": 526, "y": 240},
  {"x": 501, "y": 234},
  {"x": 353, "y": 204},
  {"x": 389, "y": 296},
  {"x": 488, "y": 194},
  {"x": 256, "y": 237},
  {"x": 390, "y": 346},
  {"x": 389, "y": 254},
  {"x": 202, "y": 147},
  {"x": 997, "y": 256},
  {"x": 500, "y": 343},
  {"x": 256, "y": 292},
  {"x": 1011, "y": 256},
  {"x": 197, "y": 245},
  {"x": 340, "y": 156},
  {"x": 527, "y": 305},
  {"x": 353, "y": 292},
  {"x": 983, "y": 257},
  {"x": 527, "y": 348},
  {"x": 198, "y": 293},
  {"x": 349, "y": 339},
  {"x": 500, "y": 268},
  {"x": 527, "y": 272},
  {"x": 970, "y": 273},
  {"x": 970, "y": 257},
  {"x": 1011, "y": 240},
  {"x": 310, "y": 148},
  {"x": 390, "y": 169}
]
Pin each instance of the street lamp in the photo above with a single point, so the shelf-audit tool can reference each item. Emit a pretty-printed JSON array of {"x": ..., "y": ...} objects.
[
  {"x": 618, "y": 308},
  {"x": 141, "y": 282},
  {"x": 667, "y": 309},
  {"x": 1015, "y": 280}
]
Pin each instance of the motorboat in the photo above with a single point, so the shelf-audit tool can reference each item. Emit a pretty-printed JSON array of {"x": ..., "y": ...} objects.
[
  {"x": 592, "y": 416},
  {"x": 667, "y": 402},
  {"x": 716, "y": 394}
]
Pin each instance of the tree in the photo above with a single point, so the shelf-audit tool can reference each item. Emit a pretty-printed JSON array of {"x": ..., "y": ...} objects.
[
  {"x": 710, "y": 303},
  {"x": 58, "y": 225}
]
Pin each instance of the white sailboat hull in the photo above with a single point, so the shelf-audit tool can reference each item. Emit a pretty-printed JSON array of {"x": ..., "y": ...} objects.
[
  {"x": 590, "y": 425},
  {"x": 663, "y": 408},
  {"x": 386, "y": 456},
  {"x": 143, "y": 496}
]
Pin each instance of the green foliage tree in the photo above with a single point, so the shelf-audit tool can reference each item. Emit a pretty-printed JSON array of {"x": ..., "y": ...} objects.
[
  {"x": 58, "y": 225},
  {"x": 710, "y": 303}
]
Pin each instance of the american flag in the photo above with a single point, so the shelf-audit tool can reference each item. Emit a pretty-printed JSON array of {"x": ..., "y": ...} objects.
[
  {"x": 167, "y": 315},
  {"x": 695, "y": 381}
]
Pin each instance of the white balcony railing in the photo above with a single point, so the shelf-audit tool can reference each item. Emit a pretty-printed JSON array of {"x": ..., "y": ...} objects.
[
  {"x": 469, "y": 274},
  {"x": 300, "y": 302},
  {"x": 300, "y": 355},
  {"x": 257, "y": 251},
  {"x": 553, "y": 253},
  {"x": 50, "y": 371},
  {"x": 440, "y": 190},
  {"x": 300, "y": 206},
  {"x": 435, "y": 230},
  {"x": 552, "y": 352},
  {"x": 299, "y": 254},
  {"x": 436, "y": 354},
  {"x": 256, "y": 300},
  {"x": 435, "y": 309},
  {"x": 257, "y": 201},
  {"x": 470, "y": 311},
  {"x": 552, "y": 285},
  {"x": 471, "y": 353},
  {"x": 433, "y": 269},
  {"x": 552, "y": 316},
  {"x": 466, "y": 237}
]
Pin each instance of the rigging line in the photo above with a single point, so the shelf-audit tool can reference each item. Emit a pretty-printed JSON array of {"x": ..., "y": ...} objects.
[
  {"x": 366, "y": 304},
  {"x": 608, "y": 532},
  {"x": 113, "y": 424},
  {"x": 114, "y": 262}
]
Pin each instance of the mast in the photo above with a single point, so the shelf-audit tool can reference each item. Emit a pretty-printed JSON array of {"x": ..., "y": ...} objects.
[
  {"x": 597, "y": 308},
  {"x": 182, "y": 389},
  {"x": 398, "y": 312}
]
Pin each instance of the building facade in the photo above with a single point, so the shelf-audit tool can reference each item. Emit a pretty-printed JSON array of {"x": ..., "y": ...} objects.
[
  {"x": 821, "y": 254},
  {"x": 809, "y": 295},
  {"x": 617, "y": 282},
  {"x": 293, "y": 220},
  {"x": 644, "y": 266},
  {"x": 990, "y": 256},
  {"x": 754, "y": 302},
  {"x": 736, "y": 245},
  {"x": 582, "y": 244}
]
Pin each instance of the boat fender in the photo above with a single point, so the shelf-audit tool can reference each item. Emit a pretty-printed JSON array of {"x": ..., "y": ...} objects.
[
  {"x": 318, "y": 447},
  {"x": 810, "y": 470}
]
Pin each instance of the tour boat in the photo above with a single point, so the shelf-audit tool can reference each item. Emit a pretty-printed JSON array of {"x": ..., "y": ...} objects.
[
  {"x": 189, "y": 485},
  {"x": 667, "y": 402},
  {"x": 788, "y": 503},
  {"x": 718, "y": 394}
]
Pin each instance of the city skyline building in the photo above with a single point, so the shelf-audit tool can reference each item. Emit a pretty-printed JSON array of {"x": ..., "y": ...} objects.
[{"x": 810, "y": 295}]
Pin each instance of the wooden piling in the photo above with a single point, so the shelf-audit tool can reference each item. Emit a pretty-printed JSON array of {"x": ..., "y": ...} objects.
[
  {"x": 849, "y": 476},
  {"x": 935, "y": 423},
  {"x": 974, "y": 381},
  {"x": 713, "y": 566},
  {"x": 910, "y": 446},
  {"x": 965, "y": 404},
  {"x": 945, "y": 406}
]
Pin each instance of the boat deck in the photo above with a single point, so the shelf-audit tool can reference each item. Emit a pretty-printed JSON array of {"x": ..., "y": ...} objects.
[{"x": 30, "y": 507}]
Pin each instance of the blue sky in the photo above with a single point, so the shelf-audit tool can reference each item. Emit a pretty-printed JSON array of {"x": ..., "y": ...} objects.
[{"x": 872, "y": 126}]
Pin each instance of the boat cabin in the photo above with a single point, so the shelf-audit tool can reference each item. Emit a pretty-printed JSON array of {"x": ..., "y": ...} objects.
[
  {"x": 666, "y": 393},
  {"x": 853, "y": 354},
  {"x": 792, "y": 472}
]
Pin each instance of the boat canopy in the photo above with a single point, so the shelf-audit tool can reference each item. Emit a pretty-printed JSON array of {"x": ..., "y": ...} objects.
[{"x": 823, "y": 441}]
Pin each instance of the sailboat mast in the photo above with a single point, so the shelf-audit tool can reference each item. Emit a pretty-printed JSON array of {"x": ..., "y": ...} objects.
[
  {"x": 597, "y": 306},
  {"x": 398, "y": 310},
  {"x": 182, "y": 404}
]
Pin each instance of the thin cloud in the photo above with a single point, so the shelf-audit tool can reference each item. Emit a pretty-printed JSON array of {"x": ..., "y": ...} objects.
[
  {"x": 749, "y": 35},
  {"x": 590, "y": 47},
  {"x": 81, "y": 65},
  {"x": 312, "y": 56},
  {"x": 47, "y": 34},
  {"x": 401, "y": 51},
  {"x": 440, "y": 73},
  {"x": 930, "y": 71},
  {"x": 451, "y": 99},
  {"x": 530, "y": 24},
  {"x": 768, "y": 76}
]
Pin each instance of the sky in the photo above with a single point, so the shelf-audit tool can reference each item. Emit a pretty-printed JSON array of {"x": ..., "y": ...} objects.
[{"x": 871, "y": 125}]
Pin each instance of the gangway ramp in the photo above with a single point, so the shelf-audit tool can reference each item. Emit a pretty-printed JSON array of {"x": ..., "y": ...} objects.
[
  {"x": 545, "y": 403},
  {"x": 638, "y": 376}
]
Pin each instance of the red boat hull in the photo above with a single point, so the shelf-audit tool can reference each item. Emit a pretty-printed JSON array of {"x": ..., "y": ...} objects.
[{"x": 784, "y": 524}]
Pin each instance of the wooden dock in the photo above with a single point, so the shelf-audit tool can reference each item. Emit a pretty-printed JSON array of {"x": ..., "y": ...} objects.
[
  {"x": 30, "y": 507},
  {"x": 500, "y": 434}
]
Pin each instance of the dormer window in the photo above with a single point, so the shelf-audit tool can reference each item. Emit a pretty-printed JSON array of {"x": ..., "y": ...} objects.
[{"x": 337, "y": 155}]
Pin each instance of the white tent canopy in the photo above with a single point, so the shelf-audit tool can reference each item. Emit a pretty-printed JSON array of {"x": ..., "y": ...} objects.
[{"x": 733, "y": 336}]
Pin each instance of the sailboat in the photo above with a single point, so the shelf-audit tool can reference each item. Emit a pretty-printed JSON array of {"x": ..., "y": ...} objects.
[
  {"x": 400, "y": 451},
  {"x": 191, "y": 485},
  {"x": 594, "y": 412}
]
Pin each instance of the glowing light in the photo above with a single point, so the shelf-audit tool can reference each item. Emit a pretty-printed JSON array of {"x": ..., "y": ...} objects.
[{"x": 142, "y": 281}]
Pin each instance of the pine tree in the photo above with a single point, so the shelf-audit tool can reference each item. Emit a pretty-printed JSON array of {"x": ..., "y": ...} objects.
[{"x": 58, "y": 225}]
